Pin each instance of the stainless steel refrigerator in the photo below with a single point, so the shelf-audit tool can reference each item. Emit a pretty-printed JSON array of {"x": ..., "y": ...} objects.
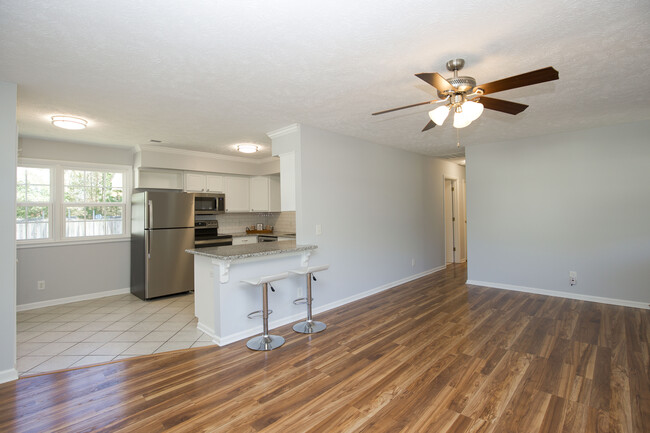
[{"x": 162, "y": 228}]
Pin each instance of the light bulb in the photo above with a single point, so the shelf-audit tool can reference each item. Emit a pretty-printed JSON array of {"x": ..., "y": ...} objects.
[
  {"x": 461, "y": 119},
  {"x": 439, "y": 115},
  {"x": 472, "y": 109}
]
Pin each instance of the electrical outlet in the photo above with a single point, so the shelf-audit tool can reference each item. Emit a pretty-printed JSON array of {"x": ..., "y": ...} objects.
[
  {"x": 319, "y": 229},
  {"x": 413, "y": 262},
  {"x": 40, "y": 285},
  {"x": 573, "y": 278}
]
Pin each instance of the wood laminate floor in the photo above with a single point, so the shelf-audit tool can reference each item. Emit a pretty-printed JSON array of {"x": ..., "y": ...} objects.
[{"x": 433, "y": 355}]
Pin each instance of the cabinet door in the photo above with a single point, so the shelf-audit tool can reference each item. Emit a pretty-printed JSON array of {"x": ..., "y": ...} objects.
[
  {"x": 194, "y": 182},
  {"x": 237, "y": 194},
  {"x": 241, "y": 240},
  {"x": 274, "y": 194},
  {"x": 259, "y": 194},
  {"x": 214, "y": 183}
]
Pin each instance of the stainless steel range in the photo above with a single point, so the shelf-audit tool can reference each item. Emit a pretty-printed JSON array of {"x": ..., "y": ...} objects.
[{"x": 206, "y": 234}]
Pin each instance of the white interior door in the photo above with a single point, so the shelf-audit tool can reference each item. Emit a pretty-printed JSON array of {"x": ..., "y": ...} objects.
[{"x": 449, "y": 206}]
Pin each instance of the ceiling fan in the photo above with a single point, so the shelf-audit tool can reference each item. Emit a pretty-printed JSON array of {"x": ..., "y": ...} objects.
[{"x": 462, "y": 96}]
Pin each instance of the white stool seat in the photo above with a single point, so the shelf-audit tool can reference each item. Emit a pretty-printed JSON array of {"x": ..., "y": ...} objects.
[
  {"x": 266, "y": 279},
  {"x": 309, "y": 270}
]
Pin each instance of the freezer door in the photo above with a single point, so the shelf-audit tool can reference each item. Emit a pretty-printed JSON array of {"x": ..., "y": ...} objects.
[
  {"x": 169, "y": 269},
  {"x": 168, "y": 209}
]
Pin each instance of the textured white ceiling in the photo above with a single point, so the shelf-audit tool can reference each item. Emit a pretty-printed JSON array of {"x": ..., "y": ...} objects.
[{"x": 203, "y": 75}]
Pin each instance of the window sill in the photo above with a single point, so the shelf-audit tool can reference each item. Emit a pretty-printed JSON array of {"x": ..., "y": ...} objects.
[{"x": 64, "y": 243}]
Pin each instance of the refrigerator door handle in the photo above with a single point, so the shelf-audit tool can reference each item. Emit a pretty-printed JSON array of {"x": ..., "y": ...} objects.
[
  {"x": 148, "y": 246},
  {"x": 150, "y": 206}
]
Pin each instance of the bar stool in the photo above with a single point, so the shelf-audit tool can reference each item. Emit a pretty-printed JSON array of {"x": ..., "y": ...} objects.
[
  {"x": 309, "y": 326},
  {"x": 265, "y": 341}
]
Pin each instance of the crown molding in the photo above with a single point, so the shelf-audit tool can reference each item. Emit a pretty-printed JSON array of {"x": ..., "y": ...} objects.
[
  {"x": 284, "y": 131},
  {"x": 198, "y": 154}
]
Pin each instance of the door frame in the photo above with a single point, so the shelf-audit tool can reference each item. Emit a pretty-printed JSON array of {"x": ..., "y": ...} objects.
[{"x": 456, "y": 255}]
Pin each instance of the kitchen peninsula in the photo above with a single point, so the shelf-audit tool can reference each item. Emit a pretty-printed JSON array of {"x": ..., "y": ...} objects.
[{"x": 222, "y": 302}]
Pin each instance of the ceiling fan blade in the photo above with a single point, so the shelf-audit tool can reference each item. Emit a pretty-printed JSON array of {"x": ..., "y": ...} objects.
[
  {"x": 527, "y": 79},
  {"x": 429, "y": 126},
  {"x": 406, "y": 106},
  {"x": 501, "y": 105},
  {"x": 436, "y": 80}
]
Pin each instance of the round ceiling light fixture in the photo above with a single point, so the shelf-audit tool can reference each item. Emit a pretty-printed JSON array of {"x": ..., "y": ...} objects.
[
  {"x": 247, "y": 148},
  {"x": 69, "y": 122}
]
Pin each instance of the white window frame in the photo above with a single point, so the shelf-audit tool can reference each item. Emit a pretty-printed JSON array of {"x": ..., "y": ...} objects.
[
  {"x": 57, "y": 211},
  {"x": 49, "y": 205}
]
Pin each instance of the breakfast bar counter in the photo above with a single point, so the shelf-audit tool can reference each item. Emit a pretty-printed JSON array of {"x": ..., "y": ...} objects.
[{"x": 222, "y": 302}]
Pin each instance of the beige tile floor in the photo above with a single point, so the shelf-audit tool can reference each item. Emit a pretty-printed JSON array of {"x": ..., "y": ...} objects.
[{"x": 105, "y": 329}]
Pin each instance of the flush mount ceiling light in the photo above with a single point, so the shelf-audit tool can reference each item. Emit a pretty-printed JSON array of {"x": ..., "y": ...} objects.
[
  {"x": 467, "y": 100},
  {"x": 248, "y": 148},
  {"x": 69, "y": 122}
]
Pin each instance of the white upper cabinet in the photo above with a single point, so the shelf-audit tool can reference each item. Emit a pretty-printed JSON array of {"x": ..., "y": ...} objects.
[
  {"x": 197, "y": 182},
  {"x": 214, "y": 183},
  {"x": 237, "y": 189},
  {"x": 259, "y": 194},
  {"x": 194, "y": 182},
  {"x": 274, "y": 194}
]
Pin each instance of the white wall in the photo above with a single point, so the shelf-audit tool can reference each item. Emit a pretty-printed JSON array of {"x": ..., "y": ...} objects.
[
  {"x": 379, "y": 207},
  {"x": 8, "y": 148},
  {"x": 541, "y": 207},
  {"x": 66, "y": 151}
]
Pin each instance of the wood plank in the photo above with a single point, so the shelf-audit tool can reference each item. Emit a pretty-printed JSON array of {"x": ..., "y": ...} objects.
[{"x": 433, "y": 355}]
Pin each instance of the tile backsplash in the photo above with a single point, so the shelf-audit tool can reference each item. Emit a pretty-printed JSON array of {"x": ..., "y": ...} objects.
[{"x": 284, "y": 222}]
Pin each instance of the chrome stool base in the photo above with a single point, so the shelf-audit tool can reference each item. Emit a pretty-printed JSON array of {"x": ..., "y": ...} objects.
[
  {"x": 309, "y": 327},
  {"x": 265, "y": 342}
]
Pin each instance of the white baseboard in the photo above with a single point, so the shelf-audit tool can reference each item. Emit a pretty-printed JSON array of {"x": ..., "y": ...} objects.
[
  {"x": 301, "y": 316},
  {"x": 376, "y": 290},
  {"x": 41, "y": 304},
  {"x": 8, "y": 375},
  {"x": 569, "y": 295}
]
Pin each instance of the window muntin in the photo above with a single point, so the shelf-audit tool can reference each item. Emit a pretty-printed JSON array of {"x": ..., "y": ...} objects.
[
  {"x": 33, "y": 203},
  {"x": 93, "y": 203}
]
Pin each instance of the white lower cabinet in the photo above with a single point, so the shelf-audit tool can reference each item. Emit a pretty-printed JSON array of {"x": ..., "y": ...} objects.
[{"x": 241, "y": 240}]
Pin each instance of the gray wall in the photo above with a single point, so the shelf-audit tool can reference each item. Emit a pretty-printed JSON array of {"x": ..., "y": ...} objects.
[
  {"x": 541, "y": 207},
  {"x": 8, "y": 144},
  {"x": 379, "y": 207},
  {"x": 72, "y": 270}
]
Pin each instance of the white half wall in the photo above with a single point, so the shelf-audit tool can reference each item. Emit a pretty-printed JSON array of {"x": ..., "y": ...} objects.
[
  {"x": 543, "y": 206},
  {"x": 379, "y": 208},
  {"x": 8, "y": 150}
]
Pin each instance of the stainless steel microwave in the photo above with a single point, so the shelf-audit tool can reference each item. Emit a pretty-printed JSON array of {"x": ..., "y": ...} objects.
[{"x": 209, "y": 204}]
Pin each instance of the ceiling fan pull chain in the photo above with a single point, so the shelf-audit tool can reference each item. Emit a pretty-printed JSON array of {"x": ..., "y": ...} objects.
[{"x": 457, "y": 137}]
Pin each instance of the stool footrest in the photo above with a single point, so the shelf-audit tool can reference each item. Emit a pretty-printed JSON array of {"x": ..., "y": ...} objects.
[
  {"x": 301, "y": 301},
  {"x": 256, "y": 314}
]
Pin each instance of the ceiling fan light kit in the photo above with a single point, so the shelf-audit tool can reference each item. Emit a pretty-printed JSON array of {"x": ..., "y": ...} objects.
[
  {"x": 439, "y": 115},
  {"x": 467, "y": 100}
]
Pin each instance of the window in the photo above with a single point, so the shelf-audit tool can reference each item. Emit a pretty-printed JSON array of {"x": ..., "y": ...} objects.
[
  {"x": 33, "y": 203},
  {"x": 68, "y": 203},
  {"x": 93, "y": 203}
]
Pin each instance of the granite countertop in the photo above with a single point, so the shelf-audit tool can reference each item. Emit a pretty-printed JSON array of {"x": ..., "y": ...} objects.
[
  {"x": 279, "y": 234},
  {"x": 235, "y": 252}
]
